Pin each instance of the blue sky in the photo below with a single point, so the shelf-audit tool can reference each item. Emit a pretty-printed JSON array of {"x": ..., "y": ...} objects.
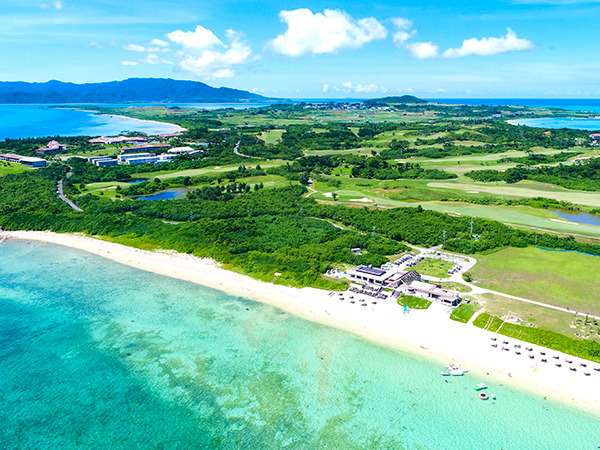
[{"x": 309, "y": 49}]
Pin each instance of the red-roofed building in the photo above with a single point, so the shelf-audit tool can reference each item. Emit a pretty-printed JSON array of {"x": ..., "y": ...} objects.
[{"x": 52, "y": 147}]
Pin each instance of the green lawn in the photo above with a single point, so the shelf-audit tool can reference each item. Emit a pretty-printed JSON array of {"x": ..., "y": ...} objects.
[
  {"x": 413, "y": 302},
  {"x": 8, "y": 168},
  {"x": 464, "y": 312},
  {"x": 165, "y": 174},
  {"x": 271, "y": 136},
  {"x": 434, "y": 267},
  {"x": 558, "y": 278}
]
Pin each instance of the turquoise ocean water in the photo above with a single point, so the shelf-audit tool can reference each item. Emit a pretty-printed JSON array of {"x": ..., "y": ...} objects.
[
  {"x": 23, "y": 121},
  {"x": 94, "y": 354}
]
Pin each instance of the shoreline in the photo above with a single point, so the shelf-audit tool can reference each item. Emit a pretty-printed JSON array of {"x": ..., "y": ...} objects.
[
  {"x": 429, "y": 333},
  {"x": 177, "y": 128}
]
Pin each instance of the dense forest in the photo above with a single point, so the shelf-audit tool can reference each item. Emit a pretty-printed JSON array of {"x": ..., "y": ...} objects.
[{"x": 260, "y": 231}]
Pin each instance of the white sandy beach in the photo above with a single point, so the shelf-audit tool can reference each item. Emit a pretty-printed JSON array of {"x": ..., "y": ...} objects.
[{"x": 428, "y": 333}]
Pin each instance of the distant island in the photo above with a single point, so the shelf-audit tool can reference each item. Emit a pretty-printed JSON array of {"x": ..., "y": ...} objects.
[
  {"x": 131, "y": 90},
  {"x": 395, "y": 100}
]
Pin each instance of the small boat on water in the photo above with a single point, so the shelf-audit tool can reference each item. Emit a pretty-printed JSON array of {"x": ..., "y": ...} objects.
[
  {"x": 483, "y": 396},
  {"x": 444, "y": 373},
  {"x": 480, "y": 386},
  {"x": 457, "y": 372}
]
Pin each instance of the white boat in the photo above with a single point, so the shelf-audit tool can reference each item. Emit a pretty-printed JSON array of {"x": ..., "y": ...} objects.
[
  {"x": 457, "y": 372},
  {"x": 480, "y": 386},
  {"x": 445, "y": 374}
]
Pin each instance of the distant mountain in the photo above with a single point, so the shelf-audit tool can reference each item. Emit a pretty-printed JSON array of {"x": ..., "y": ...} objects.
[
  {"x": 395, "y": 100},
  {"x": 132, "y": 90}
]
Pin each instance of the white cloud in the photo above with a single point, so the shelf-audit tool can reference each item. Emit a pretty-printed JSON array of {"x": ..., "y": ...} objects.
[
  {"x": 206, "y": 56},
  {"x": 402, "y": 23},
  {"x": 58, "y": 4},
  {"x": 134, "y": 48},
  {"x": 403, "y": 32},
  {"x": 201, "y": 38},
  {"x": 325, "y": 87},
  {"x": 159, "y": 43},
  {"x": 490, "y": 46},
  {"x": 423, "y": 50},
  {"x": 325, "y": 32},
  {"x": 129, "y": 63},
  {"x": 153, "y": 59},
  {"x": 359, "y": 88},
  {"x": 142, "y": 49}
]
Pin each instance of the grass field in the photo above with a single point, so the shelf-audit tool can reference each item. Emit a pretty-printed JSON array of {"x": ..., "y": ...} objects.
[
  {"x": 559, "y": 278},
  {"x": 271, "y": 136},
  {"x": 165, "y": 174},
  {"x": 434, "y": 267},
  {"x": 464, "y": 312},
  {"x": 8, "y": 168},
  {"x": 429, "y": 194}
]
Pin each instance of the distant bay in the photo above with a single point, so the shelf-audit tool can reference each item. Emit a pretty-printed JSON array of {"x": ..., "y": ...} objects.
[
  {"x": 27, "y": 121},
  {"x": 560, "y": 122}
]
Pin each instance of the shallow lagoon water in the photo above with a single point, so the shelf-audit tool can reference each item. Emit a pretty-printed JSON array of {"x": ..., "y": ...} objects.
[
  {"x": 97, "y": 354},
  {"x": 23, "y": 121},
  {"x": 561, "y": 122}
]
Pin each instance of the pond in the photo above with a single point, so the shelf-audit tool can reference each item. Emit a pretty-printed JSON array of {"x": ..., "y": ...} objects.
[
  {"x": 583, "y": 218},
  {"x": 169, "y": 194}
]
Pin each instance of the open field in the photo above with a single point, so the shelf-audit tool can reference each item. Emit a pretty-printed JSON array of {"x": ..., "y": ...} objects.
[
  {"x": 434, "y": 267},
  {"x": 524, "y": 189},
  {"x": 563, "y": 279},
  {"x": 271, "y": 136},
  {"x": 524, "y": 313},
  {"x": 166, "y": 174},
  {"x": 429, "y": 194},
  {"x": 8, "y": 168}
]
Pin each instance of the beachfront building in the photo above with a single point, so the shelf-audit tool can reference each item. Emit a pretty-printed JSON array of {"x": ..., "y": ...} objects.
[
  {"x": 23, "y": 160},
  {"x": 52, "y": 147},
  {"x": 368, "y": 274},
  {"x": 431, "y": 291}
]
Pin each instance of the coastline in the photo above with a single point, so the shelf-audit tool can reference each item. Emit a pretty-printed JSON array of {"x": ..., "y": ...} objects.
[
  {"x": 429, "y": 333},
  {"x": 177, "y": 128}
]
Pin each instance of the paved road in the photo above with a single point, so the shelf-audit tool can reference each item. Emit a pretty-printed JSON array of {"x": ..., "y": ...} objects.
[{"x": 62, "y": 196}]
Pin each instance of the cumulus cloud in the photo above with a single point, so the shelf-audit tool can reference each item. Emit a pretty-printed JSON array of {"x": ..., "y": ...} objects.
[
  {"x": 201, "y": 38},
  {"x": 403, "y": 32},
  {"x": 201, "y": 52},
  {"x": 362, "y": 88},
  {"x": 129, "y": 63},
  {"x": 423, "y": 50},
  {"x": 326, "y": 32},
  {"x": 159, "y": 43},
  {"x": 206, "y": 56},
  {"x": 479, "y": 47},
  {"x": 325, "y": 87},
  {"x": 142, "y": 49},
  {"x": 490, "y": 46}
]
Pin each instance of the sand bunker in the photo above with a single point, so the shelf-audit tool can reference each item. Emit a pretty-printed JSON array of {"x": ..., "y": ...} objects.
[
  {"x": 564, "y": 221},
  {"x": 328, "y": 194},
  {"x": 363, "y": 200}
]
